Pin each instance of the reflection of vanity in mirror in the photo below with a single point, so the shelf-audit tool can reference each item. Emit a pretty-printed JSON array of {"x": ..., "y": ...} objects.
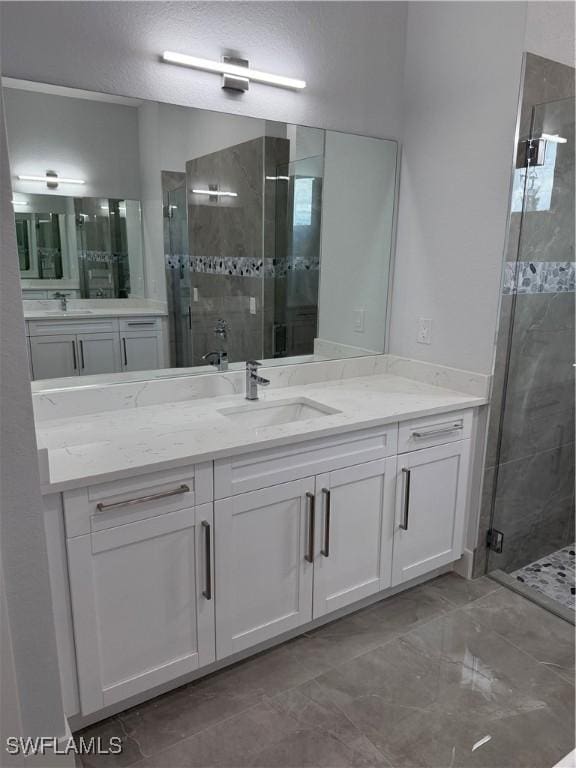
[{"x": 163, "y": 237}]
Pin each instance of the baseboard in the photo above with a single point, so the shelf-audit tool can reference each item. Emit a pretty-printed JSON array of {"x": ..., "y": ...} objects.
[{"x": 464, "y": 567}]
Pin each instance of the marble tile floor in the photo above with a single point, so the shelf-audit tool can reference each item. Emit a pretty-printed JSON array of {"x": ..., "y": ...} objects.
[
  {"x": 449, "y": 673},
  {"x": 553, "y": 576}
]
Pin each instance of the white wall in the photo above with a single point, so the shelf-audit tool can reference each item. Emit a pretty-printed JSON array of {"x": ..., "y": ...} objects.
[
  {"x": 24, "y": 567},
  {"x": 461, "y": 85},
  {"x": 351, "y": 55},
  {"x": 357, "y": 217},
  {"x": 550, "y": 30},
  {"x": 75, "y": 137}
]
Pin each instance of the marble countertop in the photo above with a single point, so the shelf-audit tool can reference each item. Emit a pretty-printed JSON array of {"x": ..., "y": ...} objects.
[
  {"x": 79, "y": 314},
  {"x": 99, "y": 447}
]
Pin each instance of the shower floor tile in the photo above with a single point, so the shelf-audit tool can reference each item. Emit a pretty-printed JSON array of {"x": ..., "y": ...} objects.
[{"x": 553, "y": 576}]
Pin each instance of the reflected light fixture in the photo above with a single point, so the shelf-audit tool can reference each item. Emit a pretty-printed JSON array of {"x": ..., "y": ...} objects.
[
  {"x": 19, "y": 202},
  {"x": 554, "y": 138},
  {"x": 50, "y": 178},
  {"x": 236, "y": 73},
  {"x": 214, "y": 193}
]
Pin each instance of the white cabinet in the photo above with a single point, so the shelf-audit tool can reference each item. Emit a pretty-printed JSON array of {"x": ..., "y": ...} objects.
[
  {"x": 54, "y": 356},
  {"x": 262, "y": 569},
  {"x": 98, "y": 353},
  {"x": 298, "y": 550},
  {"x": 353, "y": 557},
  {"x": 142, "y": 601},
  {"x": 141, "y": 350},
  {"x": 431, "y": 492}
]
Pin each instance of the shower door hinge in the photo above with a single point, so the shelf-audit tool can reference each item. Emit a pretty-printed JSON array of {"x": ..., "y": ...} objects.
[
  {"x": 495, "y": 540},
  {"x": 531, "y": 152}
]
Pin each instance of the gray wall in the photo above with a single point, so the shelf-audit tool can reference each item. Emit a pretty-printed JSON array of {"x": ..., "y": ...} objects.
[{"x": 75, "y": 137}]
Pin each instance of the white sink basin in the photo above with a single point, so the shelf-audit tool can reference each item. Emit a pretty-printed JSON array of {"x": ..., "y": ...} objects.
[{"x": 263, "y": 414}]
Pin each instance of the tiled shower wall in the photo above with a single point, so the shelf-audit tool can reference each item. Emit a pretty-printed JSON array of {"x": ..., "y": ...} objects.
[
  {"x": 232, "y": 244},
  {"x": 529, "y": 471}
]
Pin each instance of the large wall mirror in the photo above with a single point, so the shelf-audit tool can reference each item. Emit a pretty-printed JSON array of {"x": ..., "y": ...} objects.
[{"x": 153, "y": 237}]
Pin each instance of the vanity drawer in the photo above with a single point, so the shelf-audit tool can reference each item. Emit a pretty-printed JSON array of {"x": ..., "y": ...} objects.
[
  {"x": 143, "y": 323},
  {"x": 263, "y": 469},
  {"x": 434, "y": 430},
  {"x": 73, "y": 325},
  {"x": 98, "y": 507}
]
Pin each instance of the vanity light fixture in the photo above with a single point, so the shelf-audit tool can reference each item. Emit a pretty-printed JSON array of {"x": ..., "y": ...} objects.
[
  {"x": 214, "y": 193},
  {"x": 19, "y": 202},
  {"x": 50, "y": 178},
  {"x": 554, "y": 138},
  {"x": 277, "y": 178},
  {"x": 236, "y": 73}
]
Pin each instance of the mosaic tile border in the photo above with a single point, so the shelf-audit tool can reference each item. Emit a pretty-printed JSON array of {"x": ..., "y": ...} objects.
[
  {"x": 539, "y": 277},
  {"x": 241, "y": 266}
]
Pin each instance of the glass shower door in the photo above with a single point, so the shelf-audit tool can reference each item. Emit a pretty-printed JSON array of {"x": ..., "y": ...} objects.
[{"x": 533, "y": 495}]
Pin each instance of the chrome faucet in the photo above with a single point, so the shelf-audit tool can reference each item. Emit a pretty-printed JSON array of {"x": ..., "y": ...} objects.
[
  {"x": 218, "y": 359},
  {"x": 63, "y": 300},
  {"x": 252, "y": 380}
]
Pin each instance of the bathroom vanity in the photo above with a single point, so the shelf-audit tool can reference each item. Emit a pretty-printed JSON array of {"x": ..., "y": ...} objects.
[
  {"x": 92, "y": 342},
  {"x": 186, "y": 533}
]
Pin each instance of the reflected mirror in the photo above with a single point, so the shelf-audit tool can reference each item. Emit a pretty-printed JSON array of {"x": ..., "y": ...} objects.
[{"x": 162, "y": 237}]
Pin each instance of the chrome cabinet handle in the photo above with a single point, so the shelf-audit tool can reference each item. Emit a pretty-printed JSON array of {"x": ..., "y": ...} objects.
[
  {"x": 142, "y": 499},
  {"x": 207, "y": 560},
  {"x": 311, "y": 523},
  {"x": 82, "y": 354},
  {"x": 141, "y": 322},
  {"x": 327, "y": 496},
  {"x": 125, "y": 353},
  {"x": 442, "y": 431},
  {"x": 74, "y": 360},
  {"x": 404, "y": 523}
]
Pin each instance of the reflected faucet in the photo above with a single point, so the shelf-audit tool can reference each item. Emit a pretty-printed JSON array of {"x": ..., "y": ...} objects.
[
  {"x": 63, "y": 300},
  {"x": 218, "y": 359},
  {"x": 253, "y": 379}
]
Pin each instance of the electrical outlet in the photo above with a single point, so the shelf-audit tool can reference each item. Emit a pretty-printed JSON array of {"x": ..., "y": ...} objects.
[
  {"x": 359, "y": 320},
  {"x": 424, "y": 335},
  {"x": 252, "y": 305}
]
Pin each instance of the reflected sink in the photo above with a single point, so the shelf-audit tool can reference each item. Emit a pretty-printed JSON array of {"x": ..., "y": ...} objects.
[
  {"x": 64, "y": 312},
  {"x": 264, "y": 414}
]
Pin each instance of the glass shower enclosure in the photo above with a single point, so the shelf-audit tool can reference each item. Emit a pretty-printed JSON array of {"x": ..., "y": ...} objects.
[{"x": 530, "y": 485}]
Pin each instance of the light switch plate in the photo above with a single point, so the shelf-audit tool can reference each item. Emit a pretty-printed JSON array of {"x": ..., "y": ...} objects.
[
  {"x": 252, "y": 305},
  {"x": 359, "y": 320},
  {"x": 195, "y": 293},
  {"x": 424, "y": 335}
]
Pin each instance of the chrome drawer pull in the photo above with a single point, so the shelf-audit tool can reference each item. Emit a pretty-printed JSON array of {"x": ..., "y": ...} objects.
[
  {"x": 442, "y": 431},
  {"x": 142, "y": 499}
]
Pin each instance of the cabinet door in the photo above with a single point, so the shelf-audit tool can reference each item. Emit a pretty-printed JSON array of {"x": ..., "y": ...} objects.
[
  {"x": 431, "y": 488},
  {"x": 354, "y": 533},
  {"x": 142, "y": 604},
  {"x": 98, "y": 353},
  {"x": 264, "y": 580},
  {"x": 141, "y": 350},
  {"x": 54, "y": 356}
]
